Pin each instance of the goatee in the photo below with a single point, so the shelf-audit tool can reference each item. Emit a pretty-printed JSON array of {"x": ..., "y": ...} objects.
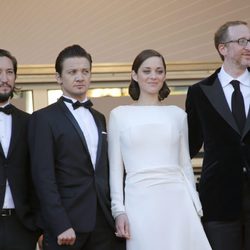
[{"x": 4, "y": 97}]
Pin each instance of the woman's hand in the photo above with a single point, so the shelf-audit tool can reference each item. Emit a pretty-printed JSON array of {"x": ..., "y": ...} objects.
[{"x": 122, "y": 226}]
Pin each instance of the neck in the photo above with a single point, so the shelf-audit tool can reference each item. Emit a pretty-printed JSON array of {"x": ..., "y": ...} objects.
[
  {"x": 78, "y": 98},
  {"x": 3, "y": 103},
  {"x": 150, "y": 101},
  {"x": 234, "y": 71}
]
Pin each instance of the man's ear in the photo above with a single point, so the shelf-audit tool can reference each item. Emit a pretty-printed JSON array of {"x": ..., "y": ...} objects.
[
  {"x": 134, "y": 75},
  {"x": 58, "y": 78},
  {"x": 222, "y": 48}
]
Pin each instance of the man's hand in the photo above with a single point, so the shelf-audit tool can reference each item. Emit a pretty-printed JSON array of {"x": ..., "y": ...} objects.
[
  {"x": 68, "y": 237},
  {"x": 122, "y": 226}
]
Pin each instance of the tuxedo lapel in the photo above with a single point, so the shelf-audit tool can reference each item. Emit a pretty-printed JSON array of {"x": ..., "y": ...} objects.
[
  {"x": 100, "y": 130},
  {"x": 247, "y": 125},
  {"x": 215, "y": 94},
  {"x": 1, "y": 150},
  {"x": 15, "y": 133},
  {"x": 74, "y": 123}
]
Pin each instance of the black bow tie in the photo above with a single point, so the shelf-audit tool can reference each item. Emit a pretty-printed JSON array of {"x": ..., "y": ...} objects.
[
  {"x": 88, "y": 104},
  {"x": 7, "y": 109}
]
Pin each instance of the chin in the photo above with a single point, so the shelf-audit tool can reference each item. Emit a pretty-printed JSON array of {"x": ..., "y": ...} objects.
[{"x": 246, "y": 65}]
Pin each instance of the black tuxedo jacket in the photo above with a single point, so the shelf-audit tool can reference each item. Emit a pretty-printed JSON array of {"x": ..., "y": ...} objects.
[
  {"x": 226, "y": 151},
  {"x": 67, "y": 185},
  {"x": 16, "y": 168}
]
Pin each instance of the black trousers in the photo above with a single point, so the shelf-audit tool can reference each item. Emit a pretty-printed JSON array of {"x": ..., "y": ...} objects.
[
  {"x": 14, "y": 236},
  {"x": 102, "y": 238},
  {"x": 232, "y": 235}
]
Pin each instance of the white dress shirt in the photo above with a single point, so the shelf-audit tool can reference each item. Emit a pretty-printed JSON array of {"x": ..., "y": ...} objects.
[
  {"x": 228, "y": 89},
  {"x": 5, "y": 136},
  {"x": 88, "y": 126}
]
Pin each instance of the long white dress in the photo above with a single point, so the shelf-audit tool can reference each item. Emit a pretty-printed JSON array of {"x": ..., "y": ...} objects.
[{"x": 161, "y": 202}]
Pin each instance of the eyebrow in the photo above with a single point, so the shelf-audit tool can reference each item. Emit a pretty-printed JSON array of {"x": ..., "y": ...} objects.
[
  {"x": 7, "y": 69},
  {"x": 148, "y": 67}
]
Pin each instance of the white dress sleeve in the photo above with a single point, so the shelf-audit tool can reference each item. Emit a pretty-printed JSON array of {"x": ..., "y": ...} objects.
[
  {"x": 116, "y": 166},
  {"x": 186, "y": 165}
]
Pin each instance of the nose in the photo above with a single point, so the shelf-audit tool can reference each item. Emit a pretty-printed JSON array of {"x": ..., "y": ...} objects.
[
  {"x": 79, "y": 77},
  {"x": 153, "y": 75},
  {"x": 248, "y": 45},
  {"x": 3, "y": 77}
]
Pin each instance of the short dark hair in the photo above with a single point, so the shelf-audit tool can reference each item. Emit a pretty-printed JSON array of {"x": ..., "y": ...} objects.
[
  {"x": 12, "y": 58},
  {"x": 68, "y": 52},
  {"x": 134, "y": 89},
  {"x": 6, "y": 53},
  {"x": 221, "y": 35}
]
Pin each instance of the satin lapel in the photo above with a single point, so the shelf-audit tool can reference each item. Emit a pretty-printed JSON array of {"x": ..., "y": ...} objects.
[
  {"x": 217, "y": 98},
  {"x": 1, "y": 150},
  {"x": 14, "y": 133},
  {"x": 247, "y": 125},
  {"x": 74, "y": 123},
  {"x": 99, "y": 129}
]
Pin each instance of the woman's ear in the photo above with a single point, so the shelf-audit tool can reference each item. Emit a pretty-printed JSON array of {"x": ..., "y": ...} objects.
[{"x": 134, "y": 75}]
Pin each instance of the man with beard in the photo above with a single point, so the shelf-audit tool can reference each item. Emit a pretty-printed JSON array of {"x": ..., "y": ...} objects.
[{"x": 17, "y": 222}]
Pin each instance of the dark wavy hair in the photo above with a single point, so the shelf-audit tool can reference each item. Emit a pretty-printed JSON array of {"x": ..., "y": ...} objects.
[
  {"x": 134, "y": 89},
  {"x": 6, "y": 53},
  {"x": 68, "y": 52}
]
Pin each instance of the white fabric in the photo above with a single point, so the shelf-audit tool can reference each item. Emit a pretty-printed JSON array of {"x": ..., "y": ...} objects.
[
  {"x": 161, "y": 202},
  {"x": 5, "y": 135},
  {"x": 88, "y": 126},
  {"x": 228, "y": 89}
]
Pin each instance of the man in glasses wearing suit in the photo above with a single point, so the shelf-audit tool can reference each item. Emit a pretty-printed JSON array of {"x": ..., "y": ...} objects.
[{"x": 219, "y": 119}]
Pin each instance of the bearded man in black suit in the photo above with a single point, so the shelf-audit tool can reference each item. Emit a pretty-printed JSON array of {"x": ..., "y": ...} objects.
[
  {"x": 68, "y": 143},
  {"x": 219, "y": 119},
  {"x": 18, "y": 228}
]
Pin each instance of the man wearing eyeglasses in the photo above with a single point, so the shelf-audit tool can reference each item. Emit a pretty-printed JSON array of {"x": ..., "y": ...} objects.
[{"x": 219, "y": 120}]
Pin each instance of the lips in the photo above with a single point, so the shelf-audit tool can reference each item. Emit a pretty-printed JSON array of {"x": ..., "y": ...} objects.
[
  {"x": 79, "y": 86},
  {"x": 5, "y": 87},
  {"x": 246, "y": 53}
]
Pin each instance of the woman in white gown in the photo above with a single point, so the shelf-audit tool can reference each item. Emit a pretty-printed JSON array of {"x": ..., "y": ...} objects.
[{"x": 159, "y": 207}]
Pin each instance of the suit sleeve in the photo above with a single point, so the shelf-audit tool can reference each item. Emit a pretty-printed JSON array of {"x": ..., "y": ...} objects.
[
  {"x": 42, "y": 150},
  {"x": 116, "y": 167},
  {"x": 194, "y": 126}
]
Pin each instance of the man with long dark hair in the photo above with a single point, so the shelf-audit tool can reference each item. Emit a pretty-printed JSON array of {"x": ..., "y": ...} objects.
[{"x": 17, "y": 220}]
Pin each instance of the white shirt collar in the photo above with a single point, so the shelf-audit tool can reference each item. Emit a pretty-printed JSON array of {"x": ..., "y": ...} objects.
[
  {"x": 73, "y": 99},
  {"x": 225, "y": 78},
  {"x": 4, "y": 105}
]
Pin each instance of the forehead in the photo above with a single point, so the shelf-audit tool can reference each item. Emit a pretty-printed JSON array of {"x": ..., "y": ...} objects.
[
  {"x": 239, "y": 31},
  {"x": 153, "y": 62},
  {"x": 76, "y": 63},
  {"x": 5, "y": 63}
]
